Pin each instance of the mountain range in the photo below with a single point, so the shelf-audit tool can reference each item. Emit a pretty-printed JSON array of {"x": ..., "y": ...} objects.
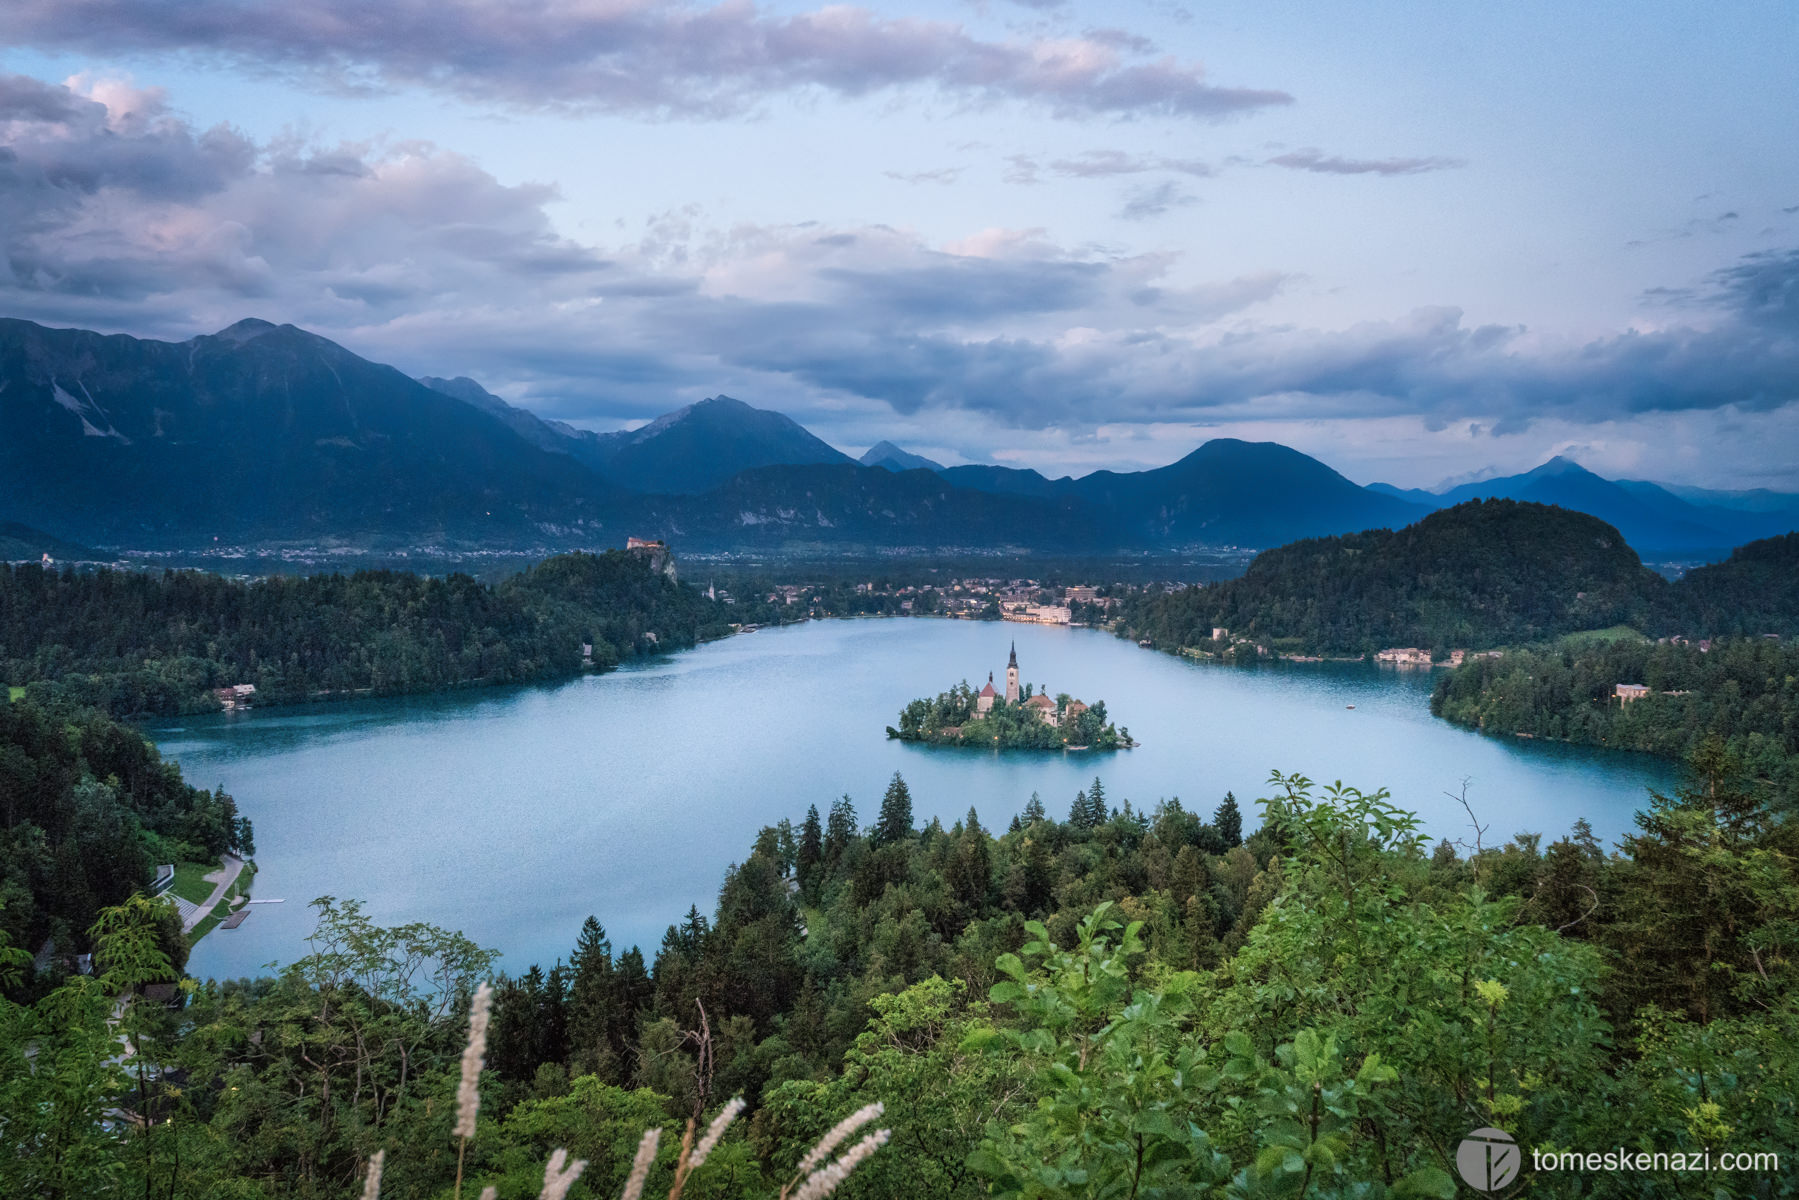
[
  {"x": 266, "y": 434},
  {"x": 1652, "y": 518}
]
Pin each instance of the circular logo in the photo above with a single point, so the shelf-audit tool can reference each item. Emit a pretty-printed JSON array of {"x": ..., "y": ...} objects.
[{"x": 1488, "y": 1159}]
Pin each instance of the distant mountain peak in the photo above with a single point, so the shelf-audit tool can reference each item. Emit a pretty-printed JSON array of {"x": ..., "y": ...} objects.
[
  {"x": 1559, "y": 465},
  {"x": 246, "y": 330},
  {"x": 886, "y": 454}
]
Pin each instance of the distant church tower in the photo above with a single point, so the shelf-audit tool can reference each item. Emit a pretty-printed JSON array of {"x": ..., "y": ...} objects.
[{"x": 1012, "y": 676}]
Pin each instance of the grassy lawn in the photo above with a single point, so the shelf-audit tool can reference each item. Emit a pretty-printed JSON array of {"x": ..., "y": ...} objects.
[
  {"x": 224, "y": 908},
  {"x": 1616, "y": 633},
  {"x": 189, "y": 882},
  {"x": 13, "y": 692}
]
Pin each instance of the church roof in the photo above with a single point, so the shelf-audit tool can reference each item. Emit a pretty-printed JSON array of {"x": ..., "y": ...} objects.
[{"x": 988, "y": 690}]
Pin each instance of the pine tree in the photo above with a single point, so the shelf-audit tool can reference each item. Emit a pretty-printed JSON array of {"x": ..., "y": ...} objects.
[
  {"x": 1077, "y": 812},
  {"x": 895, "y": 822},
  {"x": 971, "y": 872},
  {"x": 590, "y": 1000},
  {"x": 1098, "y": 813},
  {"x": 1033, "y": 809},
  {"x": 841, "y": 829},
  {"x": 811, "y": 850},
  {"x": 552, "y": 1026},
  {"x": 1228, "y": 821}
]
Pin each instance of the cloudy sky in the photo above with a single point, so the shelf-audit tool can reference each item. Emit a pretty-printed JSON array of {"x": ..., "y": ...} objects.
[{"x": 1420, "y": 241}]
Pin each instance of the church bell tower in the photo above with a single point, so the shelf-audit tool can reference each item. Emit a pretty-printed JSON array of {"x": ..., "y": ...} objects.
[{"x": 1012, "y": 676}]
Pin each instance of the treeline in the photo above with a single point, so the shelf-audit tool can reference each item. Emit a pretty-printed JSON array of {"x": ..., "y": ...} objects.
[
  {"x": 1119, "y": 1003},
  {"x": 1742, "y": 692},
  {"x": 1482, "y": 574},
  {"x": 88, "y": 809},
  {"x": 142, "y": 643}
]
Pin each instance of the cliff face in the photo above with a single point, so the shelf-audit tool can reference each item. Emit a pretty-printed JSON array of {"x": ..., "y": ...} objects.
[{"x": 660, "y": 559}]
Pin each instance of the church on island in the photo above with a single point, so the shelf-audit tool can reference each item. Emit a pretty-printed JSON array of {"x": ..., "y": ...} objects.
[
  {"x": 1019, "y": 718},
  {"x": 1039, "y": 705}
]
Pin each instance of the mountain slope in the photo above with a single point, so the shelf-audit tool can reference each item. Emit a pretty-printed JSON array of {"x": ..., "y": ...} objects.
[
  {"x": 1227, "y": 492},
  {"x": 1244, "y": 493},
  {"x": 697, "y": 448},
  {"x": 846, "y": 503},
  {"x": 1670, "y": 525},
  {"x": 258, "y": 431},
  {"x": 22, "y": 543},
  {"x": 555, "y": 436}
]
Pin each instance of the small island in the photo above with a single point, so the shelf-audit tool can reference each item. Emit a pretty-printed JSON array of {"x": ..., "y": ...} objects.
[{"x": 1024, "y": 719}]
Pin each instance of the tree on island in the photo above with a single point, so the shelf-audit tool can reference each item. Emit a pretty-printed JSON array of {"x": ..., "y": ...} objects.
[{"x": 895, "y": 822}]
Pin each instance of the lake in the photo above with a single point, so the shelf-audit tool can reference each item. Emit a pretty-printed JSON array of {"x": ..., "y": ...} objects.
[{"x": 512, "y": 814}]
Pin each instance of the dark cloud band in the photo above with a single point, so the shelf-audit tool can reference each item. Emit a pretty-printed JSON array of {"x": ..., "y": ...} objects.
[{"x": 645, "y": 56}]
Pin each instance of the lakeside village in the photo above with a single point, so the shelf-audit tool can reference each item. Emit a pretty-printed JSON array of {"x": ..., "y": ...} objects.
[{"x": 1020, "y": 718}]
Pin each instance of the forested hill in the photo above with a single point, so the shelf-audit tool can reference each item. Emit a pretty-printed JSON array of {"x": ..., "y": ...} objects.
[
  {"x": 1753, "y": 592},
  {"x": 1740, "y": 693},
  {"x": 1484, "y": 573},
  {"x": 133, "y": 644},
  {"x": 87, "y": 810}
]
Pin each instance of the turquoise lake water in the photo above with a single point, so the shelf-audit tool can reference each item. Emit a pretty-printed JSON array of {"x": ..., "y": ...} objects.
[{"x": 513, "y": 814}]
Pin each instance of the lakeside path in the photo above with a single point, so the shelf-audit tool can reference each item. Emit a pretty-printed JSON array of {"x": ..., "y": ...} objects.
[{"x": 192, "y": 915}]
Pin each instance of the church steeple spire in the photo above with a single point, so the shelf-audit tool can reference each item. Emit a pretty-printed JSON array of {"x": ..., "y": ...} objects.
[
  {"x": 1012, "y": 676},
  {"x": 1012, "y": 663}
]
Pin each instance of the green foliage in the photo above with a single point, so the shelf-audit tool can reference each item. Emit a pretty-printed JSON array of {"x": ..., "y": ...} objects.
[{"x": 1116, "y": 1075}]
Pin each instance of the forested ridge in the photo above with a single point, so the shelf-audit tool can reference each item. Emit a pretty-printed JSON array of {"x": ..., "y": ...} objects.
[
  {"x": 157, "y": 643},
  {"x": 1131, "y": 1000},
  {"x": 1482, "y": 574}
]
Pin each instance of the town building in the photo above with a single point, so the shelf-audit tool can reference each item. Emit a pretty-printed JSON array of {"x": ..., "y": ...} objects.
[
  {"x": 1629, "y": 693},
  {"x": 1043, "y": 707}
]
